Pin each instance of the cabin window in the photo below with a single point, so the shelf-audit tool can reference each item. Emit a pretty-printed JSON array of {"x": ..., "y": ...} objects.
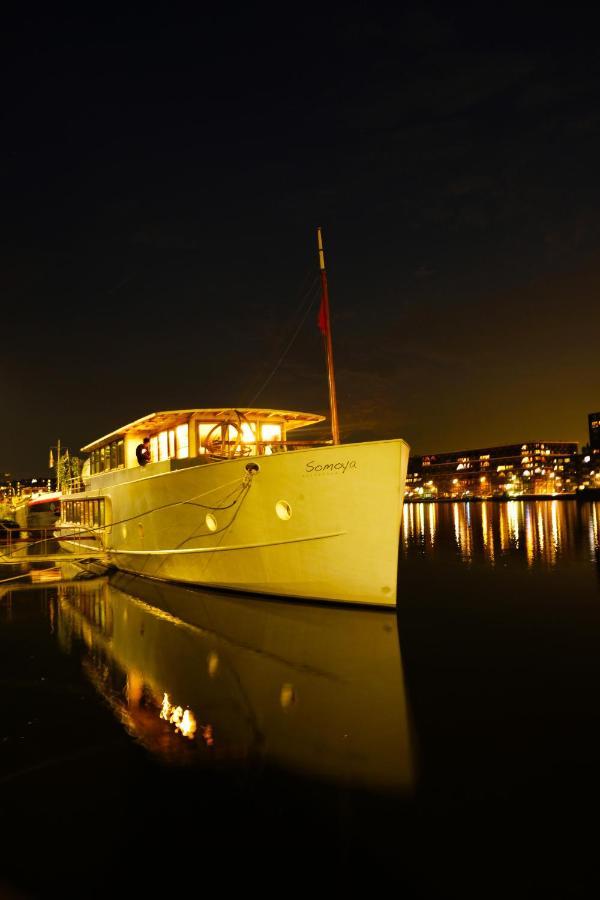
[
  {"x": 112, "y": 456},
  {"x": 258, "y": 437},
  {"x": 163, "y": 445},
  {"x": 204, "y": 428},
  {"x": 270, "y": 432},
  {"x": 182, "y": 441},
  {"x": 168, "y": 444},
  {"x": 249, "y": 432}
]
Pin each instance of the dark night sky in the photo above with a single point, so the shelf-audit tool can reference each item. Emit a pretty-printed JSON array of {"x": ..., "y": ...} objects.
[{"x": 163, "y": 177}]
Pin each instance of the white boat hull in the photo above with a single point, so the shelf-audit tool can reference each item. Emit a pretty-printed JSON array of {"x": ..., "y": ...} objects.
[{"x": 319, "y": 524}]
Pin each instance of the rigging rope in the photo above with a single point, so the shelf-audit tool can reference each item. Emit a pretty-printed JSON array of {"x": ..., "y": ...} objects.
[{"x": 312, "y": 297}]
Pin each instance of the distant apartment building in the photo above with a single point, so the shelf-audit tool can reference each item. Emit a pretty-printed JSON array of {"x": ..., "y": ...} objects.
[
  {"x": 531, "y": 468},
  {"x": 594, "y": 428},
  {"x": 589, "y": 466}
]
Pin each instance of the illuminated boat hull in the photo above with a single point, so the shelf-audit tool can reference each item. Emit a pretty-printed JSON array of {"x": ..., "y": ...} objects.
[{"x": 319, "y": 524}]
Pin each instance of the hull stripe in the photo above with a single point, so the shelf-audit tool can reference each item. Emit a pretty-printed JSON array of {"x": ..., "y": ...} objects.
[{"x": 314, "y": 537}]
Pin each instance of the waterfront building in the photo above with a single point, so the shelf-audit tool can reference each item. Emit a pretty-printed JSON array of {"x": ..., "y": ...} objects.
[
  {"x": 589, "y": 460},
  {"x": 530, "y": 468},
  {"x": 19, "y": 487},
  {"x": 594, "y": 428}
]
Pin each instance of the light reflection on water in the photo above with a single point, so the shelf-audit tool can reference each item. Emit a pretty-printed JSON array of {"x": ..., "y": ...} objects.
[
  {"x": 288, "y": 726},
  {"x": 308, "y": 688},
  {"x": 539, "y": 532}
]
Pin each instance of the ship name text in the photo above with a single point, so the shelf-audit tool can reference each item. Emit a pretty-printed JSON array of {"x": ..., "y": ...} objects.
[{"x": 330, "y": 467}]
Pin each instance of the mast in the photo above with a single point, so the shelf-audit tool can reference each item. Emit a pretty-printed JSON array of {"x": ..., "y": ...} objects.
[{"x": 325, "y": 326}]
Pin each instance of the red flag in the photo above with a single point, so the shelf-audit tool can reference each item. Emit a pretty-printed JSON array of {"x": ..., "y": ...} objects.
[{"x": 322, "y": 317}]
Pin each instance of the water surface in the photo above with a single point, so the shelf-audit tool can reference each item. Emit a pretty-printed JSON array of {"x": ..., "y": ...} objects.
[{"x": 155, "y": 738}]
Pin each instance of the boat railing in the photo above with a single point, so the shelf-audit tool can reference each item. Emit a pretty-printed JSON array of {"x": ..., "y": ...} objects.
[
  {"x": 9, "y": 537},
  {"x": 232, "y": 449},
  {"x": 73, "y": 485},
  {"x": 18, "y": 544}
]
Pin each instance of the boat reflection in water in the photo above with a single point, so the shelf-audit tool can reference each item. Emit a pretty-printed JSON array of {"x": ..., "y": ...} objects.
[{"x": 200, "y": 677}]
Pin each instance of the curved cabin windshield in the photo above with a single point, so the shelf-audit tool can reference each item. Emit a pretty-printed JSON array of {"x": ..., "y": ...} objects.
[
  {"x": 246, "y": 438},
  {"x": 201, "y": 434}
]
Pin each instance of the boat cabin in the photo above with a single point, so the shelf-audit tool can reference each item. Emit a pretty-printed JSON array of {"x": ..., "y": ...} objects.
[{"x": 201, "y": 434}]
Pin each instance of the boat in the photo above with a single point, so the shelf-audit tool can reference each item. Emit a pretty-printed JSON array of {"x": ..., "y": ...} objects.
[
  {"x": 38, "y": 512},
  {"x": 232, "y": 500}
]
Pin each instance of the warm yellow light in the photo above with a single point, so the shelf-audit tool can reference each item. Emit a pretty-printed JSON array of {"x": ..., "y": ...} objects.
[
  {"x": 163, "y": 445},
  {"x": 270, "y": 432},
  {"x": 287, "y": 696},
  {"x": 204, "y": 429},
  {"x": 183, "y": 720},
  {"x": 187, "y": 725},
  {"x": 182, "y": 441},
  {"x": 249, "y": 432},
  {"x": 213, "y": 664}
]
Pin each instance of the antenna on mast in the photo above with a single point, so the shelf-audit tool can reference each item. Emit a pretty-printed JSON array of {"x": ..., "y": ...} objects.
[{"x": 325, "y": 328}]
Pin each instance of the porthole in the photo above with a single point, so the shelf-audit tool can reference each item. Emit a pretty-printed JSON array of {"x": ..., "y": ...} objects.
[
  {"x": 211, "y": 522},
  {"x": 283, "y": 510}
]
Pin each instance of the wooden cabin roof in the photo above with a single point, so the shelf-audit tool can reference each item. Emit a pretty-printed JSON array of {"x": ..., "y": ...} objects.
[{"x": 160, "y": 421}]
